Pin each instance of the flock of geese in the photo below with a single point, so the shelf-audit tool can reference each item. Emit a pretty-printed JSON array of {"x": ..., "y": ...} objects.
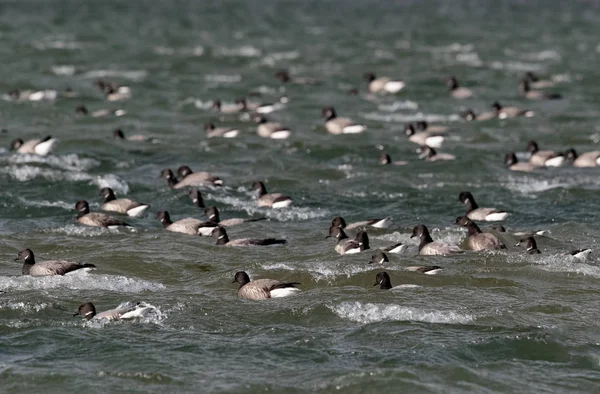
[{"x": 429, "y": 138}]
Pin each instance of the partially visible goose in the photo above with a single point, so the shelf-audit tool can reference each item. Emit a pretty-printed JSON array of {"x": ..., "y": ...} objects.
[
  {"x": 587, "y": 159},
  {"x": 379, "y": 258},
  {"x": 427, "y": 247},
  {"x": 581, "y": 254},
  {"x": 510, "y": 112},
  {"x": 46, "y": 268},
  {"x": 273, "y": 200},
  {"x": 531, "y": 245},
  {"x": 337, "y": 126},
  {"x": 32, "y": 95},
  {"x": 470, "y": 115},
  {"x": 481, "y": 214},
  {"x": 430, "y": 154},
  {"x": 339, "y": 221},
  {"x": 427, "y": 269},
  {"x": 121, "y": 205},
  {"x": 128, "y": 310},
  {"x": 513, "y": 164},
  {"x": 284, "y": 77},
  {"x": 385, "y": 159},
  {"x": 383, "y": 84},
  {"x": 529, "y": 93},
  {"x": 196, "y": 198},
  {"x": 422, "y": 125},
  {"x": 478, "y": 240},
  {"x": 218, "y": 106},
  {"x": 263, "y": 289},
  {"x": 262, "y": 108},
  {"x": 383, "y": 280},
  {"x": 536, "y": 83},
  {"x": 544, "y": 158},
  {"x": 95, "y": 219},
  {"x": 40, "y": 147},
  {"x": 429, "y": 138},
  {"x": 456, "y": 91},
  {"x": 225, "y": 132},
  {"x": 112, "y": 91},
  {"x": 344, "y": 244},
  {"x": 272, "y": 130},
  {"x": 189, "y": 226},
  {"x": 213, "y": 216},
  {"x": 190, "y": 179},
  {"x": 118, "y": 133},
  {"x": 223, "y": 239},
  {"x": 100, "y": 112}
]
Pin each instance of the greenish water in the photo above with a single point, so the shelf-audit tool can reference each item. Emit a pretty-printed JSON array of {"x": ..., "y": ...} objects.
[{"x": 498, "y": 322}]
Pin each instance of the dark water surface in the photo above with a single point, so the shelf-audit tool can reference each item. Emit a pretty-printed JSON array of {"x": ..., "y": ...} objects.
[{"x": 502, "y": 322}]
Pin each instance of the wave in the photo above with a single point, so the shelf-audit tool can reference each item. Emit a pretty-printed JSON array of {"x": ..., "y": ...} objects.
[
  {"x": 79, "y": 280},
  {"x": 371, "y": 313}
]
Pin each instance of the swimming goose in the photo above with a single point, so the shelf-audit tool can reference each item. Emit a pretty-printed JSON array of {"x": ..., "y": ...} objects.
[
  {"x": 225, "y": 132},
  {"x": 95, "y": 219},
  {"x": 513, "y": 164},
  {"x": 383, "y": 280},
  {"x": 587, "y": 159},
  {"x": 430, "y": 154},
  {"x": 196, "y": 198},
  {"x": 189, "y": 226},
  {"x": 190, "y": 179},
  {"x": 344, "y": 244},
  {"x": 470, "y": 116},
  {"x": 385, "y": 159},
  {"x": 100, "y": 112},
  {"x": 429, "y": 138},
  {"x": 113, "y": 92},
  {"x": 118, "y": 133},
  {"x": 457, "y": 91},
  {"x": 427, "y": 247},
  {"x": 218, "y": 106},
  {"x": 273, "y": 200},
  {"x": 121, "y": 205},
  {"x": 478, "y": 240},
  {"x": 383, "y": 84},
  {"x": 536, "y": 83},
  {"x": 544, "y": 158},
  {"x": 45, "y": 268},
  {"x": 272, "y": 130},
  {"x": 213, "y": 216},
  {"x": 422, "y": 125},
  {"x": 337, "y": 126},
  {"x": 426, "y": 269},
  {"x": 527, "y": 92},
  {"x": 223, "y": 239},
  {"x": 339, "y": 221},
  {"x": 379, "y": 258},
  {"x": 127, "y": 310},
  {"x": 531, "y": 245},
  {"x": 510, "y": 112},
  {"x": 263, "y": 289},
  {"x": 481, "y": 214},
  {"x": 40, "y": 147},
  {"x": 284, "y": 77},
  {"x": 262, "y": 108}
]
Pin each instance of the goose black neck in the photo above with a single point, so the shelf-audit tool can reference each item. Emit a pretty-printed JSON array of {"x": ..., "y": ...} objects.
[
  {"x": 473, "y": 229},
  {"x": 425, "y": 239}
]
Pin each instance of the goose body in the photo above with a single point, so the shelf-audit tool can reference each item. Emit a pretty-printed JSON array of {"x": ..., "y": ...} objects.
[
  {"x": 474, "y": 212},
  {"x": 427, "y": 247},
  {"x": 40, "y": 147},
  {"x": 272, "y": 200},
  {"x": 263, "y": 289},
  {"x": 424, "y": 138},
  {"x": 95, "y": 219},
  {"x": 476, "y": 239},
  {"x": 336, "y": 125},
  {"x": 121, "y": 205},
  {"x": 383, "y": 84}
]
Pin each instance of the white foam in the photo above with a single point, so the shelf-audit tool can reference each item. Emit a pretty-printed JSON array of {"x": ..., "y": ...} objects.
[
  {"x": 67, "y": 69},
  {"x": 223, "y": 78},
  {"x": 79, "y": 281},
  {"x": 112, "y": 181},
  {"x": 407, "y": 118},
  {"x": 45, "y": 203},
  {"x": 272, "y": 59},
  {"x": 135, "y": 75},
  {"x": 528, "y": 185},
  {"x": 370, "y": 313},
  {"x": 65, "y": 162},
  {"x": 56, "y": 44},
  {"x": 516, "y": 66},
  {"x": 397, "y": 105},
  {"x": 26, "y": 307},
  {"x": 243, "y": 51},
  {"x": 568, "y": 263}
]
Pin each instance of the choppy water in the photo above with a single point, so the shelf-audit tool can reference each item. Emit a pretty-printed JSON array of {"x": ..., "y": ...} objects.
[{"x": 490, "y": 322}]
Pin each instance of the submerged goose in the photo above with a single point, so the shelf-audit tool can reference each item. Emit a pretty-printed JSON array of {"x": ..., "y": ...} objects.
[
  {"x": 128, "y": 310},
  {"x": 225, "y": 132},
  {"x": 196, "y": 198},
  {"x": 430, "y": 154},
  {"x": 531, "y": 245},
  {"x": 263, "y": 289},
  {"x": 510, "y": 112},
  {"x": 118, "y": 133},
  {"x": 385, "y": 159},
  {"x": 536, "y": 83},
  {"x": 544, "y": 158},
  {"x": 40, "y": 147},
  {"x": 218, "y": 106},
  {"x": 121, "y": 205},
  {"x": 457, "y": 91},
  {"x": 481, "y": 214},
  {"x": 529, "y": 93},
  {"x": 100, "y": 112},
  {"x": 427, "y": 247},
  {"x": 188, "y": 226},
  {"x": 336, "y": 125},
  {"x": 587, "y": 159},
  {"x": 430, "y": 138},
  {"x": 383, "y": 84},
  {"x": 95, "y": 219},
  {"x": 45, "y": 268},
  {"x": 213, "y": 216},
  {"x": 339, "y": 221},
  {"x": 273, "y": 200},
  {"x": 513, "y": 164},
  {"x": 272, "y": 130},
  {"x": 470, "y": 115},
  {"x": 344, "y": 244},
  {"x": 223, "y": 239},
  {"x": 478, "y": 240},
  {"x": 189, "y": 178}
]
